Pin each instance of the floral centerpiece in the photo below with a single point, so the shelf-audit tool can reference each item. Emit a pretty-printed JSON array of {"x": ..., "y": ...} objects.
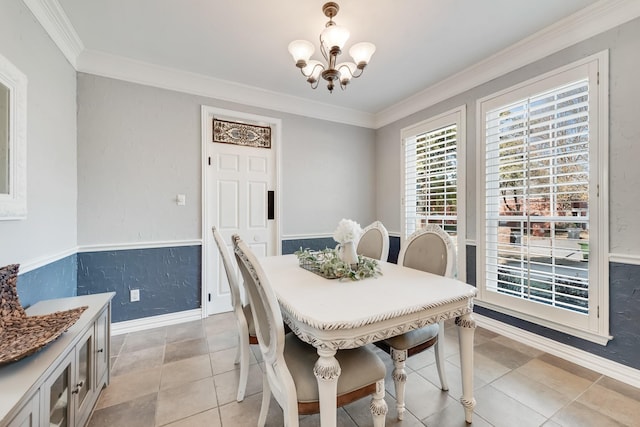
[
  {"x": 342, "y": 262},
  {"x": 346, "y": 234},
  {"x": 347, "y": 231},
  {"x": 328, "y": 264}
]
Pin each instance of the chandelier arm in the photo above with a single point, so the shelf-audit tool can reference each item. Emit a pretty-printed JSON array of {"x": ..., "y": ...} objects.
[
  {"x": 357, "y": 74},
  {"x": 323, "y": 49},
  {"x": 312, "y": 70},
  {"x": 314, "y": 84}
]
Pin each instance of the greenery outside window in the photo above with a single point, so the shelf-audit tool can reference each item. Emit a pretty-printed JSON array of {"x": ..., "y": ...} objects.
[{"x": 543, "y": 239}]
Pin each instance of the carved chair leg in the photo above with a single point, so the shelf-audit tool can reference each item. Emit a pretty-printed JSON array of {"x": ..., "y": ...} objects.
[
  {"x": 399, "y": 378},
  {"x": 378, "y": 405},
  {"x": 439, "y": 351}
]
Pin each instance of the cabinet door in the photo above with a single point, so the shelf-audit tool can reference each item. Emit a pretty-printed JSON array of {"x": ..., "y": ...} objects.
[
  {"x": 29, "y": 415},
  {"x": 102, "y": 348},
  {"x": 57, "y": 395},
  {"x": 83, "y": 386}
]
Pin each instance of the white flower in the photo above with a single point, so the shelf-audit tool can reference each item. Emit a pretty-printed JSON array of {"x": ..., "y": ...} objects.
[{"x": 347, "y": 231}]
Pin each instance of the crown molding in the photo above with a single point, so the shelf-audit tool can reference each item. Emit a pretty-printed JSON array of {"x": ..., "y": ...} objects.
[
  {"x": 50, "y": 15},
  {"x": 118, "y": 67},
  {"x": 586, "y": 23}
]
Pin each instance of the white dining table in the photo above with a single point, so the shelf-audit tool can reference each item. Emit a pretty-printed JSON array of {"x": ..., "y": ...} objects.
[{"x": 340, "y": 314}]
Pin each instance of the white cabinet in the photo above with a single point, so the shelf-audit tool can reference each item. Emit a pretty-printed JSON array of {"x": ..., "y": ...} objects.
[
  {"x": 29, "y": 415},
  {"x": 68, "y": 390},
  {"x": 102, "y": 356},
  {"x": 57, "y": 395},
  {"x": 60, "y": 385}
]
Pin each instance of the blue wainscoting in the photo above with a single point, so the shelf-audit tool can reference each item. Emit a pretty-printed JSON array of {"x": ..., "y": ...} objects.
[
  {"x": 394, "y": 249},
  {"x": 316, "y": 244},
  {"x": 319, "y": 243},
  {"x": 624, "y": 312},
  {"x": 169, "y": 279},
  {"x": 55, "y": 280}
]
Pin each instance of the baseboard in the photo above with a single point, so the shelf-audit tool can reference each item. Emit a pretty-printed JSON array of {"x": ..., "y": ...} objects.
[
  {"x": 599, "y": 364},
  {"x": 151, "y": 322}
]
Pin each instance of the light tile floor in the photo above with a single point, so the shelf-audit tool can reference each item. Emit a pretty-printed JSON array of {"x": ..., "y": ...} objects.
[{"x": 184, "y": 376}]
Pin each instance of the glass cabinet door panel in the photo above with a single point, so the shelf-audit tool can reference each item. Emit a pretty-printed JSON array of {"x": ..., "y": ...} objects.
[
  {"x": 102, "y": 346},
  {"x": 59, "y": 399},
  {"x": 83, "y": 384}
]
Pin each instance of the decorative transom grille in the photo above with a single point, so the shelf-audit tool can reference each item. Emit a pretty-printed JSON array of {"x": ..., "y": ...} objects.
[{"x": 241, "y": 134}]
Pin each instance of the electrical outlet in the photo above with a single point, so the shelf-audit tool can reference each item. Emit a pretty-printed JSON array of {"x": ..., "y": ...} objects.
[{"x": 134, "y": 295}]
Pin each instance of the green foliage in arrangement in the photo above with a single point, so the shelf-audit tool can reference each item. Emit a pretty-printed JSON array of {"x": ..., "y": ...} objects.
[{"x": 328, "y": 264}]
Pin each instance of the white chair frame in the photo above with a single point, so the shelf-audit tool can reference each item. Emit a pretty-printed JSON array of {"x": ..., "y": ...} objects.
[
  {"x": 399, "y": 357},
  {"x": 277, "y": 377},
  {"x": 239, "y": 310},
  {"x": 375, "y": 227}
]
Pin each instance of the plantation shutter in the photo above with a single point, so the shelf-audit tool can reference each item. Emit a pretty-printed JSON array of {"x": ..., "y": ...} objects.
[
  {"x": 537, "y": 198},
  {"x": 431, "y": 180}
]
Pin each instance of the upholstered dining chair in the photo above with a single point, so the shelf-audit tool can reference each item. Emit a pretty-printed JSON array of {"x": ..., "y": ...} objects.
[
  {"x": 289, "y": 362},
  {"x": 374, "y": 242},
  {"x": 429, "y": 249},
  {"x": 244, "y": 319}
]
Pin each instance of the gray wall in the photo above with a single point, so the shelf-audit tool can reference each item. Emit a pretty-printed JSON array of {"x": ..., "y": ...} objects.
[
  {"x": 328, "y": 173},
  {"x": 50, "y": 227},
  {"x": 139, "y": 146},
  {"x": 624, "y": 133},
  {"x": 624, "y": 180}
]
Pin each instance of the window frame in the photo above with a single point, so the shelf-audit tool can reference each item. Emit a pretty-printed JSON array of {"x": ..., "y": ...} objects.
[
  {"x": 455, "y": 116},
  {"x": 594, "y": 326}
]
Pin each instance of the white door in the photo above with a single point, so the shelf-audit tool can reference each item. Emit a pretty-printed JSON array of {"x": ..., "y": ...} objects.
[{"x": 238, "y": 182}]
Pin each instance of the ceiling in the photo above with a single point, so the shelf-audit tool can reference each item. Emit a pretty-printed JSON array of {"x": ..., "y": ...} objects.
[{"x": 419, "y": 42}]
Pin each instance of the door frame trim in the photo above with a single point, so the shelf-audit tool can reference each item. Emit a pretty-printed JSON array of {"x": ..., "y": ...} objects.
[{"x": 207, "y": 113}]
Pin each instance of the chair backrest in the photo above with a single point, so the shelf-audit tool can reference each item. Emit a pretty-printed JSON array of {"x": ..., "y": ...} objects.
[
  {"x": 429, "y": 249},
  {"x": 229, "y": 270},
  {"x": 266, "y": 311},
  {"x": 374, "y": 242}
]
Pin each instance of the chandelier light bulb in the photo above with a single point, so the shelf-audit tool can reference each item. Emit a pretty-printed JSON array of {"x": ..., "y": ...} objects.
[
  {"x": 301, "y": 50},
  {"x": 313, "y": 70},
  {"x": 362, "y": 53},
  {"x": 347, "y": 70},
  {"x": 334, "y": 36}
]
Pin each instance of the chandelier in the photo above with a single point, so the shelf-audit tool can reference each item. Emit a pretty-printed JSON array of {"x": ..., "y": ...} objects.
[{"x": 332, "y": 40}]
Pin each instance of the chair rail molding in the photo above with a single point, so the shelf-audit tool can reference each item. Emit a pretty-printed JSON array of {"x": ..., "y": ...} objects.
[
  {"x": 138, "y": 245},
  {"x": 624, "y": 258}
]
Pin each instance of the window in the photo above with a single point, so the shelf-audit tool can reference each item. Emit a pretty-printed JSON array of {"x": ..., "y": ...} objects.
[
  {"x": 433, "y": 178},
  {"x": 543, "y": 238}
]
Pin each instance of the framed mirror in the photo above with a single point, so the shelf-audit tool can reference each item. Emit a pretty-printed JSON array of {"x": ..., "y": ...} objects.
[{"x": 13, "y": 142}]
